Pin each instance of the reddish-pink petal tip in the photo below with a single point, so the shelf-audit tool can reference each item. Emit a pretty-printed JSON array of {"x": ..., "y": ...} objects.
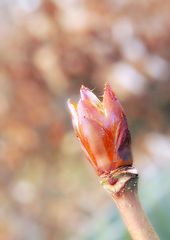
[
  {"x": 87, "y": 109},
  {"x": 112, "y": 108},
  {"x": 87, "y": 94},
  {"x": 73, "y": 110}
]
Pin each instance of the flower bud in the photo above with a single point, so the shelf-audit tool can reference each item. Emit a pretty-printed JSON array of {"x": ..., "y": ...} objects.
[{"x": 102, "y": 130}]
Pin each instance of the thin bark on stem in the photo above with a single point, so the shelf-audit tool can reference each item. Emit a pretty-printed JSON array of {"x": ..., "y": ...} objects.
[{"x": 122, "y": 185}]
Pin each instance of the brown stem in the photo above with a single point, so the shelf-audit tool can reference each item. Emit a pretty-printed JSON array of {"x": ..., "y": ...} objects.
[{"x": 122, "y": 185}]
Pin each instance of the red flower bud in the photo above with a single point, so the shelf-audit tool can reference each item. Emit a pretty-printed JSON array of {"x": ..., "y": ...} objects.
[{"x": 102, "y": 130}]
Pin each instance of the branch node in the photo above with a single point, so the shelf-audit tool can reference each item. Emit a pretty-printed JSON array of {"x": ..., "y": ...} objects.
[{"x": 120, "y": 180}]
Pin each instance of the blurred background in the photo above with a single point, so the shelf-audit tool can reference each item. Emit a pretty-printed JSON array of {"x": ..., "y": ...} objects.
[{"x": 48, "y": 49}]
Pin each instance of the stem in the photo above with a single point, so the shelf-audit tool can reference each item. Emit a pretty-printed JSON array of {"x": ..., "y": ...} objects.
[{"x": 122, "y": 185}]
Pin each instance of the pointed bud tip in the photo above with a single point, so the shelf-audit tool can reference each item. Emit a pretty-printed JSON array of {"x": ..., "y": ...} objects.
[
  {"x": 69, "y": 103},
  {"x": 72, "y": 107},
  {"x": 108, "y": 89},
  {"x": 107, "y": 84},
  {"x": 82, "y": 87},
  {"x": 84, "y": 92}
]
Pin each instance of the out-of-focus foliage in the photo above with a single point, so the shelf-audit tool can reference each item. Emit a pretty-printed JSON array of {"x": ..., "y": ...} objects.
[{"x": 47, "y": 50}]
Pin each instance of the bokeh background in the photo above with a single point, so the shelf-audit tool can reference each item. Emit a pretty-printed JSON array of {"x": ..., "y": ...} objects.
[{"x": 48, "y": 49}]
